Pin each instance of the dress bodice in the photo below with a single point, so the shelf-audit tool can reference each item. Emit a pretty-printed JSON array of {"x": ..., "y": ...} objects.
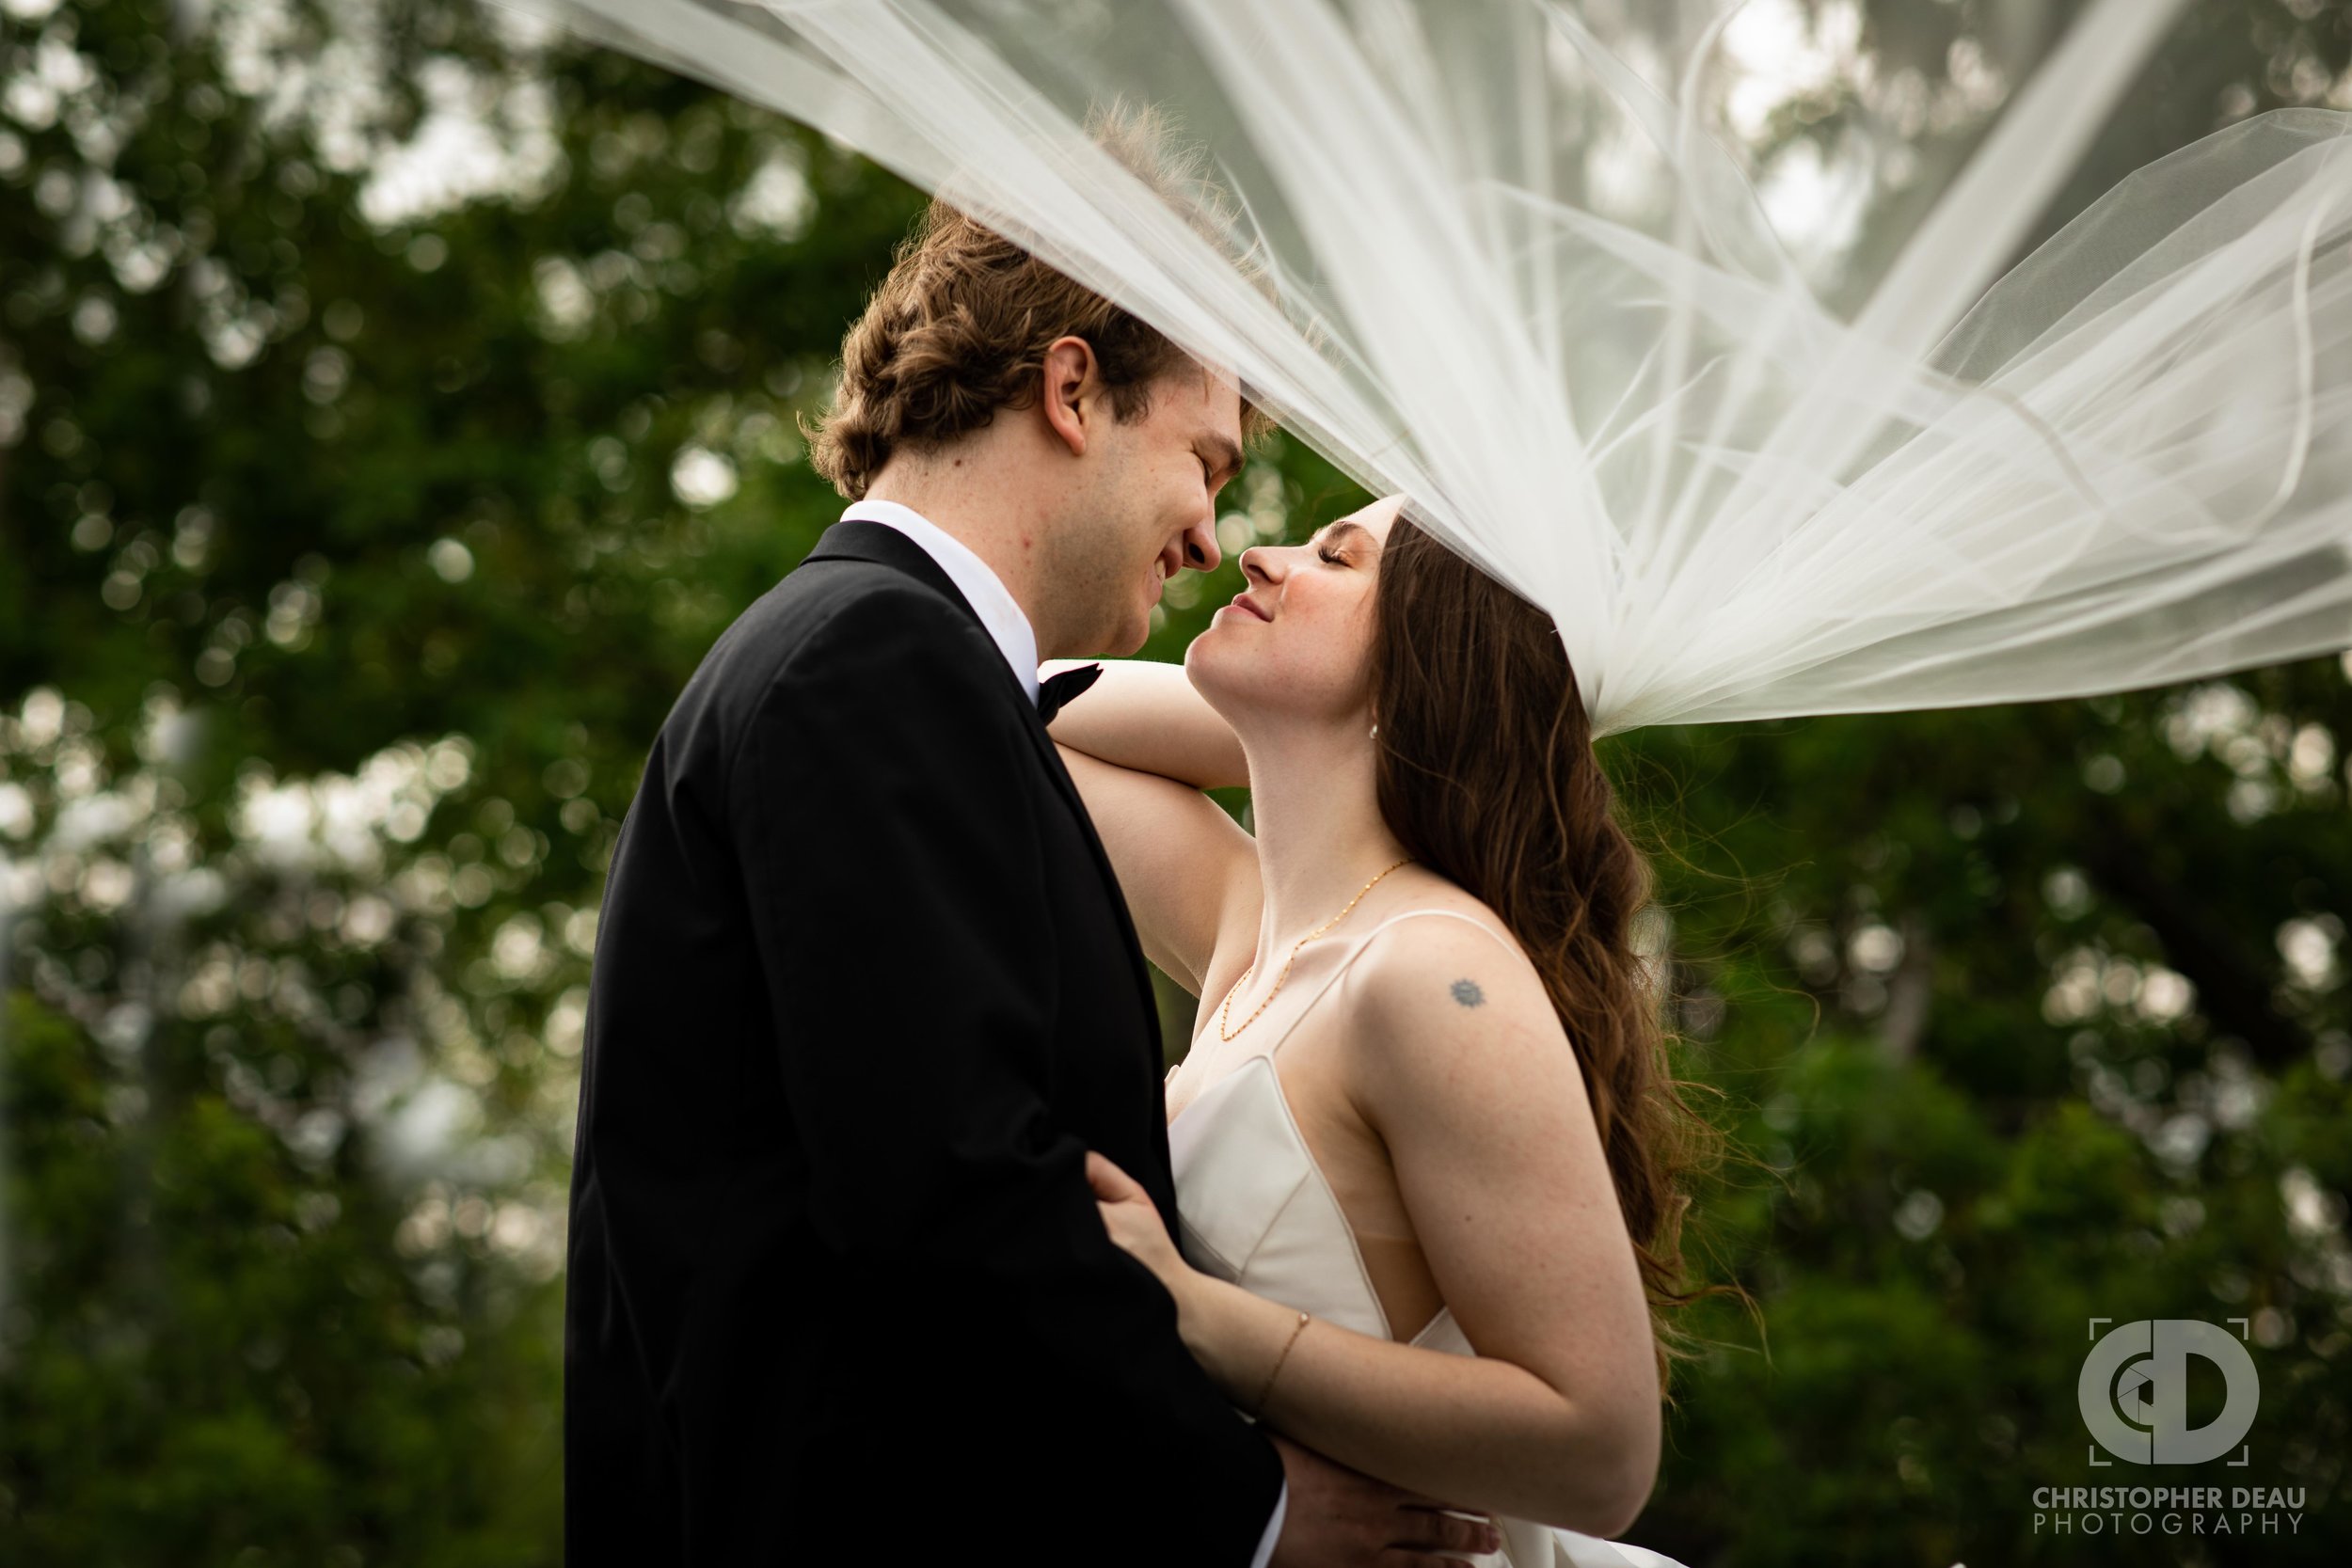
[{"x": 1254, "y": 1209}]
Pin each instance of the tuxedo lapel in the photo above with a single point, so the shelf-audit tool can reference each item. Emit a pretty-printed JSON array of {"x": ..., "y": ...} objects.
[
  {"x": 1128, "y": 937},
  {"x": 879, "y": 543}
]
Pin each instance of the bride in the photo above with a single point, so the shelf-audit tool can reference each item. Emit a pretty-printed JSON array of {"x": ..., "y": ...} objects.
[{"x": 1426, "y": 1145}]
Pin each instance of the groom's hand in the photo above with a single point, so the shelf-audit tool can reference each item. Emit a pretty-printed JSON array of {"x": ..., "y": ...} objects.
[{"x": 1343, "y": 1518}]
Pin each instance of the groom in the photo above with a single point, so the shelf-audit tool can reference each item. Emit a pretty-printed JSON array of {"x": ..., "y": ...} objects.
[{"x": 865, "y": 992}]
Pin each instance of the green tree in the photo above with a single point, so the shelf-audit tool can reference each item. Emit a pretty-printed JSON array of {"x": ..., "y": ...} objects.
[{"x": 351, "y": 552}]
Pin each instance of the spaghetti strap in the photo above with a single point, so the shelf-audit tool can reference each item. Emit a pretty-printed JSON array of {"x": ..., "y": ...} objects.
[{"x": 1348, "y": 962}]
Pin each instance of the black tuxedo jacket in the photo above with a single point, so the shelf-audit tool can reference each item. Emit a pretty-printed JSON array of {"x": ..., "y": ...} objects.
[{"x": 865, "y": 992}]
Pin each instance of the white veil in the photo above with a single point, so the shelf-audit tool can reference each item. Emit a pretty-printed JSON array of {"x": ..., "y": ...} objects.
[{"x": 1498, "y": 270}]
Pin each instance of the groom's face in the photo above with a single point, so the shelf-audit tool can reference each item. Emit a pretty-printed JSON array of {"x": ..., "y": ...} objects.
[{"x": 1148, "y": 507}]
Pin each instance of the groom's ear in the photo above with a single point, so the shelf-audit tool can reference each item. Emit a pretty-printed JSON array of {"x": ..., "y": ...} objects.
[{"x": 1071, "y": 399}]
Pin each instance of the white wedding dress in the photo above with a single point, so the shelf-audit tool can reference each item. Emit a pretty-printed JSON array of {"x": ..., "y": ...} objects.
[{"x": 1256, "y": 1209}]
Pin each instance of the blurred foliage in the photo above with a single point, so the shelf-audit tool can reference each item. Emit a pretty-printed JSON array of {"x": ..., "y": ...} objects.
[
  {"x": 356, "y": 535},
  {"x": 1905, "y": 89}
]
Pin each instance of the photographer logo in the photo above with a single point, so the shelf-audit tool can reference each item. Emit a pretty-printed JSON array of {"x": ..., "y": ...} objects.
[
  {"x": 2136, "y": 1399},
  {"x": 2133, "y": 1392}
]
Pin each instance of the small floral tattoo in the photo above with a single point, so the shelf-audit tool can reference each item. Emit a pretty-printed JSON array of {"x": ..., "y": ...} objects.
[{"x": 1468, "y": 993}]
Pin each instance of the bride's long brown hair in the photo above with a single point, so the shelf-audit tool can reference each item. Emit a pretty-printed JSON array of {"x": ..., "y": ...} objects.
[{"x": 1487, "y": 774}]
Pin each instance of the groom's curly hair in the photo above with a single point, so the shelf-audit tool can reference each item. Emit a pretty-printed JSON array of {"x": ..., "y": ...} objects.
[{"x": 960, "y": 327}]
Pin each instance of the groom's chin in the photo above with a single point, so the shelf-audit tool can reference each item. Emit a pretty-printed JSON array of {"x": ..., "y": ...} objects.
[{"x": 1130, "y": 638}]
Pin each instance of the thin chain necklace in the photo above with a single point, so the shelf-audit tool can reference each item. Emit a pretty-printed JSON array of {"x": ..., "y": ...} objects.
[{"x": 1225, "y": 1014}]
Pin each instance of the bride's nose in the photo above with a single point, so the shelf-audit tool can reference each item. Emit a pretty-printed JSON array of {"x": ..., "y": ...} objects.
[{"x": 1259, "y": 563}]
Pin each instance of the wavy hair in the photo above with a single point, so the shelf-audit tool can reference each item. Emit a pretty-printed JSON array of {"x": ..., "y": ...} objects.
[
  {"x": 1486, "y": 772},
  {"x": 959, "y": 325}
]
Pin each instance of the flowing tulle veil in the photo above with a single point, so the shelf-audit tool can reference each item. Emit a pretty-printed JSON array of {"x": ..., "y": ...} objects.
[{"x": 1469, "y": 252}]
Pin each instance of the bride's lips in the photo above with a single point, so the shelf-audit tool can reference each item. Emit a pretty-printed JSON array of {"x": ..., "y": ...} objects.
[{"x": 1245, "y": 603}]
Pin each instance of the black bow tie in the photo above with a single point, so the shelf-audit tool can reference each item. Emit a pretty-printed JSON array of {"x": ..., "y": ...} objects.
[{"x": 1056, "y": 689}]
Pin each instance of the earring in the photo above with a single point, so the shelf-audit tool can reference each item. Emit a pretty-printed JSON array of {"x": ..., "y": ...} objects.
[{"x": 1376, "y": 732}]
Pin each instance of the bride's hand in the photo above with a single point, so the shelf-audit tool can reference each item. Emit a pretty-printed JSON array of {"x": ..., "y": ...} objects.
[{"x": 1135, "y": 1224}]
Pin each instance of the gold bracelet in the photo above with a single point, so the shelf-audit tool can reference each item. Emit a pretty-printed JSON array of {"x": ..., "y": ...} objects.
[{"x": 1301, "y": 1328}]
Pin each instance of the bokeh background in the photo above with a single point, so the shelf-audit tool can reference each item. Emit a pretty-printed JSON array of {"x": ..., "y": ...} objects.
[{"x": 396, "y": 401}]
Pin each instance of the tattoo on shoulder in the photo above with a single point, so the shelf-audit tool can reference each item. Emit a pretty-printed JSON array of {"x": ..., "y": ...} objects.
[{"x": 1468, "y": 993}]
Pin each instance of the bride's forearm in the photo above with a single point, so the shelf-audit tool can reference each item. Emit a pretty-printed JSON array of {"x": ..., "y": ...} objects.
[
  {"x": 1479, "y": 1433},
  {"x": 1144, "y": 715}
]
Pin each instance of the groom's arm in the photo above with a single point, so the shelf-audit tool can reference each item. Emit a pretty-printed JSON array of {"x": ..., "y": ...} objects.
[{"x": 891, "y": 857}]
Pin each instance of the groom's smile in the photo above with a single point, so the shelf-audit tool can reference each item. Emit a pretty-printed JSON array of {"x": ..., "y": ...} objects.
[{"x": 1148, "y": 507}]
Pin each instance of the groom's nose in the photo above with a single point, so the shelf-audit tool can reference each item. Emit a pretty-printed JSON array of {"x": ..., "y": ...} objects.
[{"x": 1199, "y": 545}]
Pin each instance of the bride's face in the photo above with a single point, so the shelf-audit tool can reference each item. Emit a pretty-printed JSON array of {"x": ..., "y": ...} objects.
[{"x": 1298, "y": 640}]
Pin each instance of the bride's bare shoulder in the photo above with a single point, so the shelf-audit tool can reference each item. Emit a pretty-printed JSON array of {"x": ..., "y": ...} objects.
[
  {"x": 1447, "y": 1014},
  {"x": 1438, "y": 923}
]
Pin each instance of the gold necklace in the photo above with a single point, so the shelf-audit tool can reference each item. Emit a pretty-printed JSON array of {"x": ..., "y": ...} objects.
[{"x": 1225, "y": 1014}]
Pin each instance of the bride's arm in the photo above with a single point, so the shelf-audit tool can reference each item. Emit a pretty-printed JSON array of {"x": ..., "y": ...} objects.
[
  {"x": 1141, "y": 745},
  {"x": 1485, "y": 1112},
  {"x": 1142, "y": 714}
]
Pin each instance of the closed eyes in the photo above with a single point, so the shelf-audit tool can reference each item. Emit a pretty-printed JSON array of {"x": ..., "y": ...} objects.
[{"x": 1330, "y": 554}]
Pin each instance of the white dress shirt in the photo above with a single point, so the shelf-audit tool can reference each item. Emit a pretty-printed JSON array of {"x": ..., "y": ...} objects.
[{"x": 1001, "y": 613}]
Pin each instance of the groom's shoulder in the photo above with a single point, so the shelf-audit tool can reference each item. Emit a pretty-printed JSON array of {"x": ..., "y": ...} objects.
[
  {"x": 823, "y": 610},
  {"x": 834, "y": 637},
  {"x": 824, "y": 600}
]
